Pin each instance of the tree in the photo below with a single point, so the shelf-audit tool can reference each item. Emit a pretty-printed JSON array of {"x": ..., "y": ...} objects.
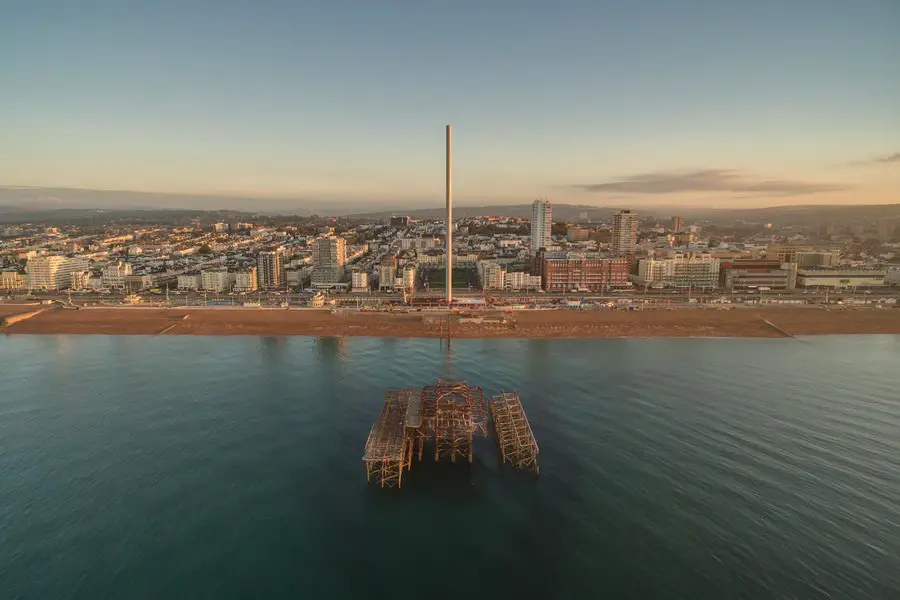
[{"x": 205, "y": 249}]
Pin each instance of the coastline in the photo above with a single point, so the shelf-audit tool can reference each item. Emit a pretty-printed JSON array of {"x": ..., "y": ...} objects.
[{"x": 743, "y": 322}]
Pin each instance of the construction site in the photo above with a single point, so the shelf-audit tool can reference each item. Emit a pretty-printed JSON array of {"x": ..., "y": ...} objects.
[{"x": 445, "y": 416}]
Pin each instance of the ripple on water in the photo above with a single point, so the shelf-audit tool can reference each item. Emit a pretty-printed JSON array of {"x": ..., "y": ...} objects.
[{"x": 230, "y": 467}]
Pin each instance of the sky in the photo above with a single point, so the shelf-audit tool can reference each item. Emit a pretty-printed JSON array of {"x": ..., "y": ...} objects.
[{"x": 607, "y": 102}]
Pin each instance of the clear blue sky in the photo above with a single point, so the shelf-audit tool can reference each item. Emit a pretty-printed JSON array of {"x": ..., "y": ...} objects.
[{"x": 605, "y": 101}]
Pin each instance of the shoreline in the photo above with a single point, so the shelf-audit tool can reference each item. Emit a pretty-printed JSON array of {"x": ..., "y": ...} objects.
[{"x": 743, "y": 322}]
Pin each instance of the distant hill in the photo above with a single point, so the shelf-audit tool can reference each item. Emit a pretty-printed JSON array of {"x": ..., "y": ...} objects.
[
  {"x": 799, "y": 215},
  {"x": 561, "y": 212}
]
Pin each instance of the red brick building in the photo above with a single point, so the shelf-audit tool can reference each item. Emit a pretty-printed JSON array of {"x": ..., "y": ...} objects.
[{"x": 565, "y": 273}]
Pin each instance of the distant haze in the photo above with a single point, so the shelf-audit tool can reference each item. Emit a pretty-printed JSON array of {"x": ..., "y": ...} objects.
[{"x": 280, "y": 104}]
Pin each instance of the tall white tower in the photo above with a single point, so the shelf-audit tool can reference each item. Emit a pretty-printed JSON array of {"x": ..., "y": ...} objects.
[
  {"x": 449, "y": 216},
  {"x": 541, "y": 221}
]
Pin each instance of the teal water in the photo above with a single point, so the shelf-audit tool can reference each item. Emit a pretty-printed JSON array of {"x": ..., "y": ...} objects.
[{"x": 193, "y": 467}]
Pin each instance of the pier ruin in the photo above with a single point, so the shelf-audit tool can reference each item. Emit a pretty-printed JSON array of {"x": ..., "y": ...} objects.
[{"x": 447, "y": 415}]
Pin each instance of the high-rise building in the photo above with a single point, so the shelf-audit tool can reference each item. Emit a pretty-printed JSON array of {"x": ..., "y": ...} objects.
[
  {"x": 270, "y": 269},
  {"x": 329, "y": 258},
  {"x": 399, "y": 222},
  {"x": 541, "y": 221},
  {"x": 624, "y": 233},
  {"x": 387, "y": 272},
  {"x": 53, "y": 272},
  {"x": 676, "y": 224}
]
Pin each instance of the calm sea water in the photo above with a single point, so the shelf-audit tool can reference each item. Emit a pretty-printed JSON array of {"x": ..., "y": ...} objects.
[{"x": 192, "y": 467}]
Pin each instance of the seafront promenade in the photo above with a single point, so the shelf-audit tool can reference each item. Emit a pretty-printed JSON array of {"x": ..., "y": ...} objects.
[{"x": 757, "y": 321}]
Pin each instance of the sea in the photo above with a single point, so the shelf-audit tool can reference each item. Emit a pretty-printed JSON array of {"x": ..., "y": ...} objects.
[{"x": 231, "y": 467}]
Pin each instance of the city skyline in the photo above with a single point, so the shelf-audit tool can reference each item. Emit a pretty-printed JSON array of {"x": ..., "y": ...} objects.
[{"x": 740, "y": 105}]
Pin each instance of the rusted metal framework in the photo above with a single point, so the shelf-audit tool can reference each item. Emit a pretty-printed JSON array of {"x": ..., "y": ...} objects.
[
  {"x": 449, "y": 413},
  {"x": 453, "y": 413},
  {"x": 514, "y": 435},
  {"x": 387, "y": 448}
]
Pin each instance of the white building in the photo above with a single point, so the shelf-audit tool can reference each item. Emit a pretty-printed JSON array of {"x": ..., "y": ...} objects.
[
  {"x": 624, "y": 233},
  {"x": 245, "y": 281},
  {"x": 840, "y": 278},
  {"x": 541, "y": 222},
  {"x": 419, "y": 243},
  {"x": 329, "y": 258},
  {"x": 113, "y": 276},
  {"x": 12, "y": 279},
  {"x": 409, "y": 277},
  {"x": 216, "y": 280},
  {"x": 53, "y": 272},
  {"x": 491, "y": 275},
  {"x": 517, "y": 280},
  {"x": 682, "y": 269},
  {"x": 191, "y": 282},
  {"x": 270, "y": 269},
  {"x": 387, "y": 273},
  {"x": 220, "y": 227},
  {"x": 359, "y": 281},
  {"x": 81, "y": 280}
]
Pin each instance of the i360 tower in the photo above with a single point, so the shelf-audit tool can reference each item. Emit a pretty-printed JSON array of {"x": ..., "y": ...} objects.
[{"x": 449, "y": 190}]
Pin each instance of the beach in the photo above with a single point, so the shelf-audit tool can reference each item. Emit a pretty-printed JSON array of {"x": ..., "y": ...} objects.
[{"x": 750, "y": 322}]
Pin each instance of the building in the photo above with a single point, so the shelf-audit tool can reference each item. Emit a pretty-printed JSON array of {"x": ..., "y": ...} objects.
[
  {"x": 541, "y": 223},
  {"x": 359, "y": 281},
  {"x": 492, "y": 275},
  {"x": 220, "y": 227},
  {"x": 742, "y": 275},
  {"x": 676, "y": 224},
  {"x": 816, "y": 259},
  {"x": 624, "y": 233},
  {"x": 245, "y": 280},
  {"x": 786, "y": 252},
  {"x": 53, "y": 272},
  {"x": 682, "y": 269},
  {"x": 426, "y": 243},
  {"x": 518, "y": 280},
  {"x": 399, "y": 222},
  {"x": 136, "y": 283},
  {"x": 12, "y": 279},
  {"x": 888, "y": 229},
  {"x": 113, "y": 276},
  {"x": 190, "y": 282},
  {"x": 81, "y": 280},
  {"x": 892, "y": 277},
  {"x": 216, "y": 280},
  {"x": 685, "y": 238},
  {"x": 409, "y": 278},
  {"x": 564, "y": 273},
  {"x": 270, "y": 269},
  {"x": 387, "y": 272},
  {"x": 840, "y": 278},
  {"x": 329, "y": 258},
  {"x": 578, "y": 234}
]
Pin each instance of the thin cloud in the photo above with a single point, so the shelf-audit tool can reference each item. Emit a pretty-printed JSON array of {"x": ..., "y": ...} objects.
[
  {"x": 882, "y": 160},
  {"x": 709, "y": 180},
  {"x": 893, "y": 158}
]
